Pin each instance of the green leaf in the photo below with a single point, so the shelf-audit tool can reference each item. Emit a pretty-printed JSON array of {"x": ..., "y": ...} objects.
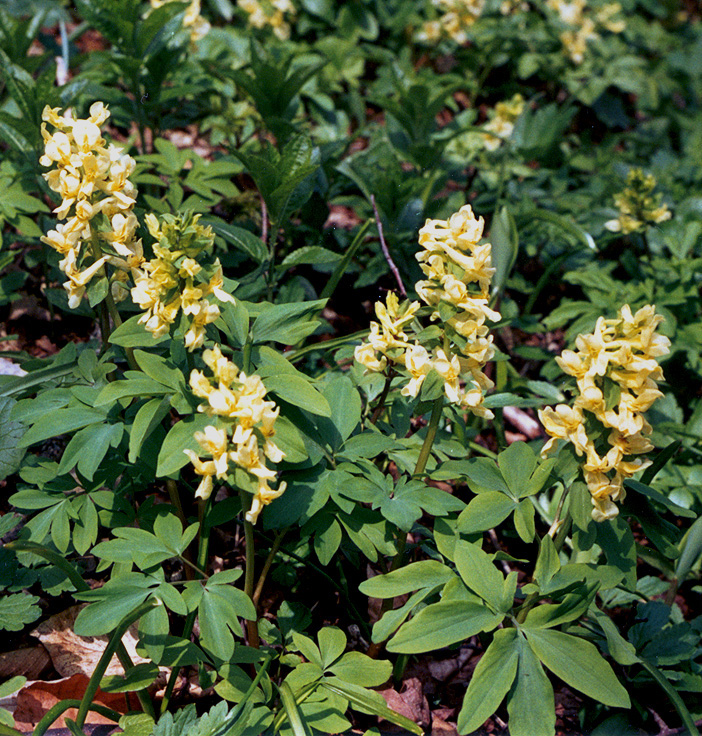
[
  {"x": 137, "y": 678},
  {"x": 131, "y": 334},
  {"x": 11, "y": 686},
  {"x": 531, "y": 705},
  {"x": 242, "y": 239},
  {"x": 17, "y": 610},
  {"x": 11, "y": 432},
  {"x": 298, "y": 391},
  {"x": 130, "y": 388},
  {"x": 479, "y": 574},
  {"x": 368, "y": 702},
  {"x": 88, "y": 447},
  {"x": 345, "y": 404},
  {"x": 115, "y": 600},
  {"x": 441, "y": 624},
  {"x": 149, "y": 416},
  {"x": 287, "y": 324},
  {"x": 297, "y": 723},
  {"x": 505, "y": 246},
  {"x": 159, "y": 369},
  {"x": 571, "y": 607},
  {"x": 180, "y": 437},
  {"x": 690, "y": 550},
  {"x": 423, "y": 574},
  {"x": 360, "y": 669},
  {"x": 309, "y": 254},
  {"x": 61, "y": 421},
  {"x": 491, "y": 681},
  {"x": 524, "y": 520},
  {"x": 578, "y": 664},
  {"x": 485, "y": 511},
  {"x": 219, "y": 610}
]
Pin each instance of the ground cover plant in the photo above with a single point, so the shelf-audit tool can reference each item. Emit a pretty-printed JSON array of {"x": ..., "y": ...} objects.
[{"x": 351, "y": 365}]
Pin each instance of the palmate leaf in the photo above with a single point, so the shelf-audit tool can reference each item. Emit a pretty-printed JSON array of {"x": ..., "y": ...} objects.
[{"x": 18, "y": 610}]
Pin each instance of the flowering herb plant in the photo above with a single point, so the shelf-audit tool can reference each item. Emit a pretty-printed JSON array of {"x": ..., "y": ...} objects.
[{"x": 364, "y": 366}]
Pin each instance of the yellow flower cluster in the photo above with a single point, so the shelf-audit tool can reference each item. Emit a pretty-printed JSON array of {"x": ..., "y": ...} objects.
[
  {"x": 456, "y": 17},
  {"x": 271, "y": 13},
  {"x": 175, "y": 280},
  {"x": 638, "y": 206},
  {"x": 458, "y": 271},
  {"x": 242, "y": 436},
  {"x": 584, "y": 25},
  {"x": 501, "y": 123},
  {"x": 192, "y": 21},
  {"x": 616, "y": 373},
  {"x": 93, "y": 181}
]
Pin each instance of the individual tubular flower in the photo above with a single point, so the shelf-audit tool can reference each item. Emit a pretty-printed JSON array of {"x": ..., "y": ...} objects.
[
  {"x": 273, "y": 13},
  {"x": 638, "y": 206},
  {"x": 617, "y": 376},
  {"x": 456, "y": 17},
  {"x": 180, "y": 278},
  {"x": 458, "y": 271},
  {"x": 242, "y": 433},
  {"x": 92, "y": 179},
  {"x": 501, "y": 123},
  {"x": 192, "y": 20}
]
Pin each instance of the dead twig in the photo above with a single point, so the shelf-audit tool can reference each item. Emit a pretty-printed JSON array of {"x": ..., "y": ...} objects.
[{"x": 386, "y": 252}]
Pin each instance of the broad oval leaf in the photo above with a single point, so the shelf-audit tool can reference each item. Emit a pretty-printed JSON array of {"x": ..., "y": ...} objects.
[
  {"x": 442, "y": 624},
  {"x": 579, "y": 664}
]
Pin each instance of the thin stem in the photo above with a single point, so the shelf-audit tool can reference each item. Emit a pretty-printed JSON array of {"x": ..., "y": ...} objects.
[
  {"x": 43, "y": 726},
  {"x": 204, "y": 541},
  {"x": 267, "y": 566},
  {"x": 383, "y": 396},
  {"x": 112, "y": 645},
  {"x": 251, "y": 626},
  {"x": 385, "y": 250},
  {"x": 430, "y": 436},
  {"x": 374, "y": 648},
  {"x": 80, "y": 585},
  {"x": 341, "y": 268}
]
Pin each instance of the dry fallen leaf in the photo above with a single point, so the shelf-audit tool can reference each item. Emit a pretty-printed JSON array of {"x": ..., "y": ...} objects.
[
  {"x": 29, "y": 662},
  {"x": 410, "y": 702},
  {"x": 72, "y": 654},
  {"x": 35, "y": 699}
]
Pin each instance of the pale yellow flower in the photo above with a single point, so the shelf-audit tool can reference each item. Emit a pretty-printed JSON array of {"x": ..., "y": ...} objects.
[
  {"x": 244, "y": 431},
  {"x": 620, "y": 351}
]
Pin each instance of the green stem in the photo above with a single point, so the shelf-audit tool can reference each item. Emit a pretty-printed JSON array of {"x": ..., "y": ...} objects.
[
  {"x": 430, "y": 436},
  {"x": 675, "y": 698},
  {"x": 80, "y": 585},
  {"x": 422, "y": 460},
  {"x": 9, "y": 731},
  {"x": 343, "y": 264},
  {"x": 110, "y": 649},
  {"x": 267, "y": 566},
  {"x": 189, "y": 623},
  {"x": 43, "y": 726},
  {"x": 383, "y": 397}
]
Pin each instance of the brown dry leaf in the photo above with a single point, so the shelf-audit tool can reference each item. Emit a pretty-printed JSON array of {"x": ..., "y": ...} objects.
[
  {"x": 29, "y": 662},
  {"x": 440, "y": 725},
  {"x": 410, "y": 702},
  {"x": 72, "y": 654},
  {"x": 35, "y": 699}
]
